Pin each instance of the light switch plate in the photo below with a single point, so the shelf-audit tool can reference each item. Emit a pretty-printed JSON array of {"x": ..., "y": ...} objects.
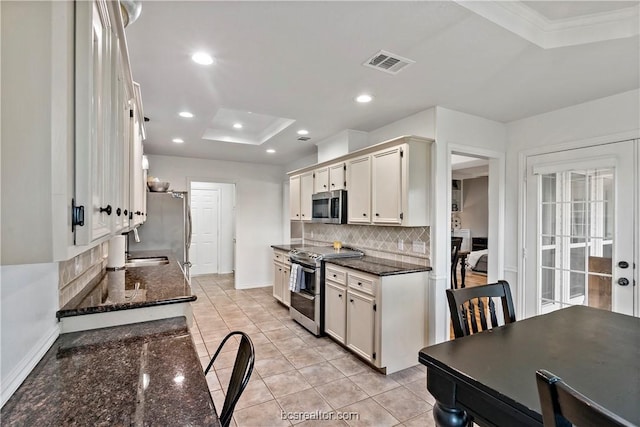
[{"x": 419, "y": 246}]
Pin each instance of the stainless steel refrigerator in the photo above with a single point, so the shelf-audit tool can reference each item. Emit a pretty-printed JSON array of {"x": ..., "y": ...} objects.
[{"x": 168, "y": 226}]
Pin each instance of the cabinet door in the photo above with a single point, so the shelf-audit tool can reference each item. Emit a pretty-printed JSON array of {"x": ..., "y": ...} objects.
[
  {"x": 359, "y": 190},
  {"x": 277, "y": 281},
  {"x": 335, "y": 311},
  {"x": 361, "y": 325},
  {"x": 321, "y": 180},
  {"x": 294, "y": 197},
  {"x": 337, "y": 177},
  {"x": 91, "y": 147},
  {"x": 306, "y": 191},
  {"x": 286, "y": 294},
  {"x": 387, "y": 186}
]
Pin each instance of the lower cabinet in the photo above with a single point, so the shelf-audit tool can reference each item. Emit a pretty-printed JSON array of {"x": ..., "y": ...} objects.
[
  {"x": 379, "y": 318},
  {"x": 281, "y": 273}
]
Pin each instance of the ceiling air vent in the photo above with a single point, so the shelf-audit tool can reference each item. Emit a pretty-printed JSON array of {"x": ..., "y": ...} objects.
[
  {"x": 304, "y": 138},
  {"x": 388, "y": 62}
]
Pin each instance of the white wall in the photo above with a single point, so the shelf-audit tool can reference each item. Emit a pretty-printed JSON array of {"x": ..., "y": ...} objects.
[
  {"x": 28, "y": 324},
  {"x": 419, "y": 124},
  {"x": 607, "y": 119},
  {"x": 475, "y": 206},
  {"x": 258, "y": 207},
  {"x": 227, "y": 221}
]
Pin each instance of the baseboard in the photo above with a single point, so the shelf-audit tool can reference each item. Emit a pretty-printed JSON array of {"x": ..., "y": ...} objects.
[
  {"x": 253, "y": 286},
  {"x": 26, "y": 365}
]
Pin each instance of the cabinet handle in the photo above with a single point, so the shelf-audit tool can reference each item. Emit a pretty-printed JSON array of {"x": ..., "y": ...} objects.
[
  {"x": 339, "y": 295},
  {"x": 335, "y": 275},
  {"x": 332, "y": 184},
  {"x": 302, "y": 214},
  {"x": 297, "y": 214},
  {"x": 377, "y": 214},
  {"x": 107, "y": 209},
  {"x": 126, "y": 212},
  {"x": 364, "y": 214},
  {"x": 138, "y": 213},
  {"x": 359, "y": 283},
  {"x": 324, "y": 185},
  {"x": 351, "y": 300},
  {"x": 118, "y": 211}
]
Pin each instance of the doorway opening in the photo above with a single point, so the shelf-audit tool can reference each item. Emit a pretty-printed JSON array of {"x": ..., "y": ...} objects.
[
  {"x": 212, "y": 248},
  {"x": 469, "y": 220}
]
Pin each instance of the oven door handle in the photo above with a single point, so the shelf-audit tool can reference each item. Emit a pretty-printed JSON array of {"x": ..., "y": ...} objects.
[
  {"x": 304, "y": 295},
  {"x": 305, "y": 269}
]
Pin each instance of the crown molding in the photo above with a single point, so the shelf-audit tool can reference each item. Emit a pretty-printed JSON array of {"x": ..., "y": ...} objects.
[{"x": 522, "y": 20}]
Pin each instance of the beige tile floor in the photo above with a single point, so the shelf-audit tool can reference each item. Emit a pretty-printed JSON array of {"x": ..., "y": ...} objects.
[{"x": 296, "y": 372}]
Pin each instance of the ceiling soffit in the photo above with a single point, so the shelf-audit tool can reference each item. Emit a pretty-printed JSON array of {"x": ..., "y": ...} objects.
[{"x": 547, "y": 33}]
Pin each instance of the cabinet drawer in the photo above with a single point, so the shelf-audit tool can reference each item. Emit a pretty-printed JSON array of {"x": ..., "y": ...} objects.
[
  {"x": 366, "y": 284},
  {"x": 279, "y": 256},
  {"x": 336, "y": 275}
]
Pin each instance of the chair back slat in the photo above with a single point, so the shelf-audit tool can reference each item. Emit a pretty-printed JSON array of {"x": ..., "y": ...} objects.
[
  {"x": 562, "y": 405},
  {"x": 242, "y": 369},
  {"x": 464, "y": 316}
]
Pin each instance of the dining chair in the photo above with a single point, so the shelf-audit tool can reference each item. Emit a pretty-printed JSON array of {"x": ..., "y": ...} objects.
[
  {"x": 242, "y": 369},
  {"x": 469, "y": 306},
  {"x": 563, "y": 406},
  {"x": 456, "y": 244}
]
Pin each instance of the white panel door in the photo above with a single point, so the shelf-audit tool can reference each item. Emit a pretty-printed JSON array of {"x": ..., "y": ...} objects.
[
  {"x": 580, "y": 229},
  {"x": 205, "y": 242}
]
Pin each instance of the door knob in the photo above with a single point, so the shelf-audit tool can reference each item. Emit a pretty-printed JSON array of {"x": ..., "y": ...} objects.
[{"x": 623, "y": 281}]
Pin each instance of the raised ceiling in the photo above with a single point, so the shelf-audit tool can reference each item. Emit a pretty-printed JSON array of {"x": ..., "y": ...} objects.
[{"x": 302, "y": 61}]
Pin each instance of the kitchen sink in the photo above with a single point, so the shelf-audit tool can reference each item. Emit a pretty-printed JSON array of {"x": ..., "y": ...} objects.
[{"x": 147, "y": 261}]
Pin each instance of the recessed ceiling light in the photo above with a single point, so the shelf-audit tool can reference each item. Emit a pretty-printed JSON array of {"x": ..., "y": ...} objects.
[
  {"x": 364, "y": 98},
  {"x": 303, "y": 132},
  {"x": 202, "y": 58},
  {"x": 237, "y": 125},
  {"x": 271, "y": 151},
  {"x": 185, "y": 114},
  {"x": 178, "y": 140}
]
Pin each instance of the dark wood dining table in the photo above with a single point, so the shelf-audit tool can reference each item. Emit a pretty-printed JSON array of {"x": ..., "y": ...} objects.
[{"x": 489, "y": 377}]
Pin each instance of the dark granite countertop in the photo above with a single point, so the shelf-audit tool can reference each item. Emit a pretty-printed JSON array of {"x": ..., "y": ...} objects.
[
  {"x": 133, "y": 287},
  {"x": 291, "y": 246},
  {"x": 141, "y": 374},
  {"x": 378, "y": 266}
]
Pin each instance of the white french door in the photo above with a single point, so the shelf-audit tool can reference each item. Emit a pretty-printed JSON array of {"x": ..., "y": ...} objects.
[{"x": 581, "y": 229}]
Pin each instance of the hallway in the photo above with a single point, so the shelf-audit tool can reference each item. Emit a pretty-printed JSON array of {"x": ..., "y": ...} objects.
[{"x": 295, "y": 373}]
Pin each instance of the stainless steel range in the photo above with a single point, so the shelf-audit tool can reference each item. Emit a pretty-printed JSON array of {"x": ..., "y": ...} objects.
[{"x": 307, "y": 302}]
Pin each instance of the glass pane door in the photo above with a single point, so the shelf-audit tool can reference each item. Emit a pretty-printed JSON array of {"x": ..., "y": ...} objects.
[{"x": 580, "y": 229}]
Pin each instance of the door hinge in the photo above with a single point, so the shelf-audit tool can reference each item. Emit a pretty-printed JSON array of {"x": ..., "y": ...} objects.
[
  {"x": 401, "y": 153},
  {"x": 401, "y": 215},
  {"x": 373, "y": 356},
  {"x": 313, "y": 175},
  {"x": 345, "y": 184},
  {"x": 131, "y": 113},
  {"x": 375, "y": 307},
  {"x": 344, "y": 167},
  {"x": 77, "y": 215}
]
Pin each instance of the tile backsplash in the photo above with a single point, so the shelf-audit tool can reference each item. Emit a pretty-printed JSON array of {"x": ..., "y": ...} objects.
[
  {"x": 378, "y": 241},
  {"x": 81, "y": 272}
]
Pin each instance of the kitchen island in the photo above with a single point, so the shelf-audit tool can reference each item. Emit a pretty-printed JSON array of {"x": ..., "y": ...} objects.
[
  {"x": 135, "y": 294},
  {"x": 142, "y": 374}
]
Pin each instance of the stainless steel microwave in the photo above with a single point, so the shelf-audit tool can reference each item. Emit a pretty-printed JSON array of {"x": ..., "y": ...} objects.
[{"x": 329, "y": 207}]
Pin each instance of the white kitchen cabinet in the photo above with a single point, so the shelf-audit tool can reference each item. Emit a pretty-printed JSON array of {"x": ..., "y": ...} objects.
[
  {"x": 300, "y": 192},
  {"x": 321, "y": 180},
  {"x": 294, "y": 198},
  {"x": 335, "y": 315},
  {"x": 359, "y": 190},
  {"x": 387, "y": 183},
  {"x": 386, "y": 177},
  {"x": 281, "y": 273},
  {"x": 382, "y": 319},
  {"x": 329, "y": 178}
]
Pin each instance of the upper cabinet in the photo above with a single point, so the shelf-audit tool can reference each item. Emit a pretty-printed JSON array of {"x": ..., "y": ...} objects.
[
  {"x": 300, "y": 191},
  {"x": 66, "y": 165},
  {"x": 387, "y": 184},
  {"x": 330, "y": 178},
  {"x": 108, "y": 146}
]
